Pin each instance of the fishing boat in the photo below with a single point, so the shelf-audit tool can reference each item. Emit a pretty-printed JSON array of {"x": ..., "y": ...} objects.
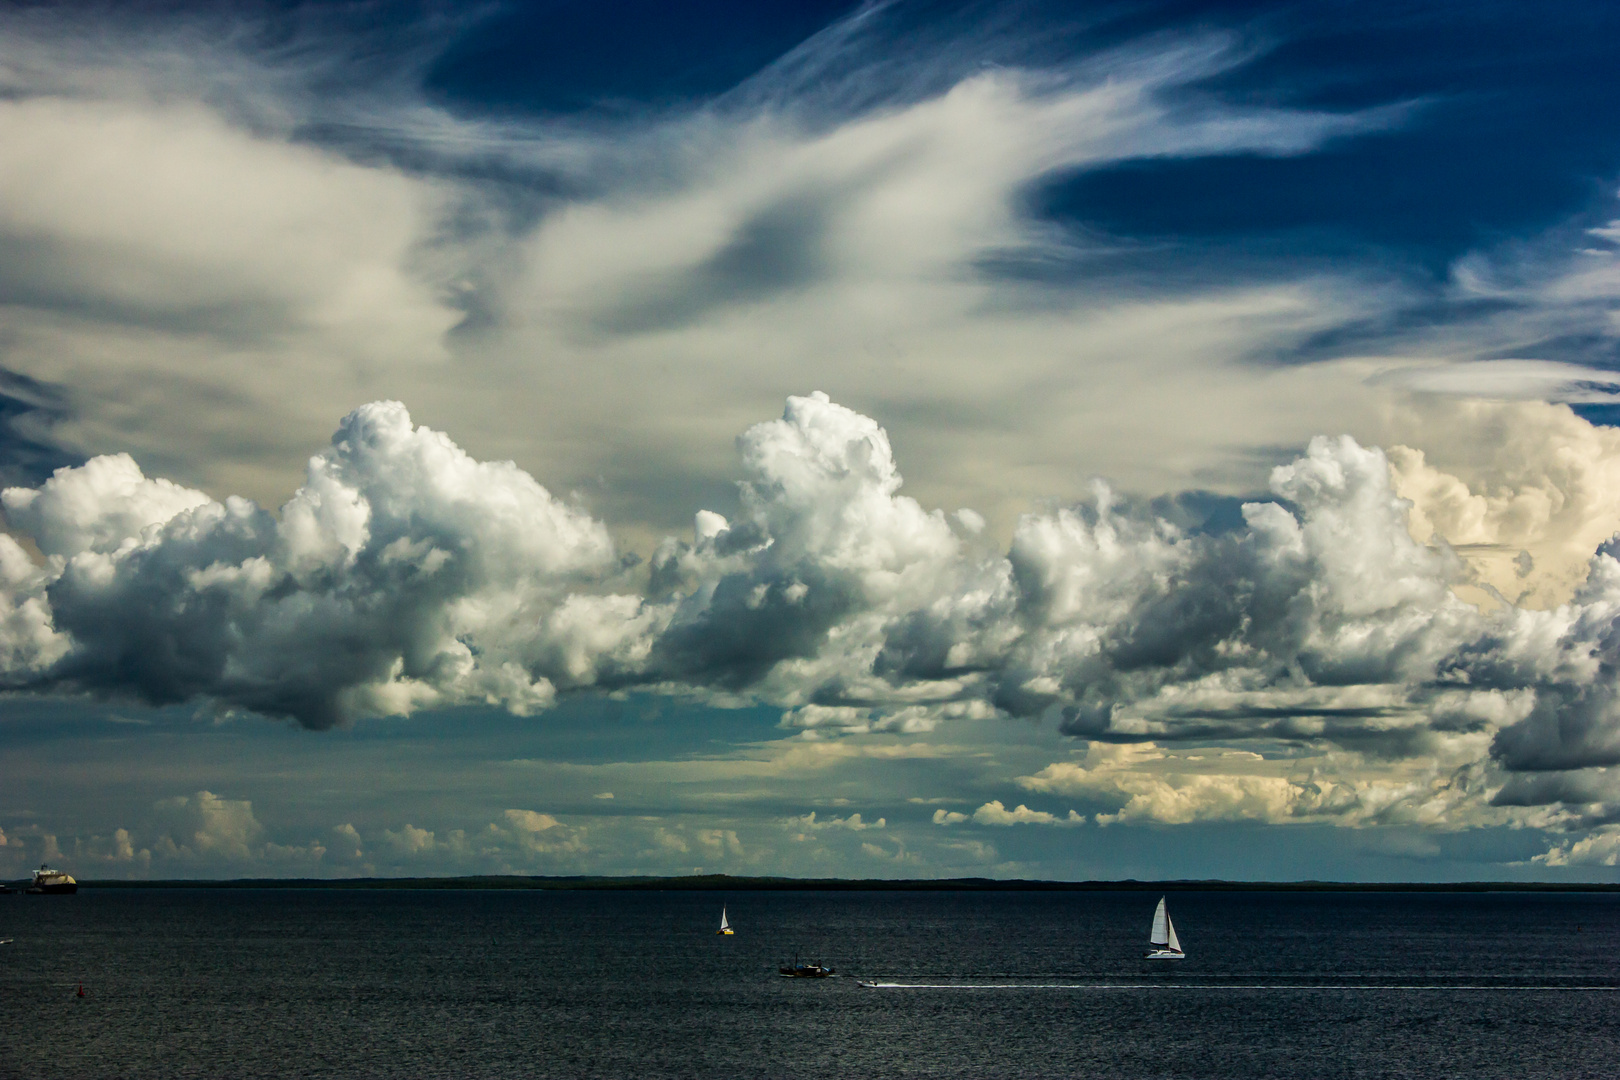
[
  {"x": 725, "y": 927},
  {"x": 1163, "y": 937},
  {"x": 47, "y": 880}
]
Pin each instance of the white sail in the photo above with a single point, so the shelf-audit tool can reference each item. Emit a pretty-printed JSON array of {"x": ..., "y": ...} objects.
[
  {"x": 723, "y": 924},
  {"x": 1161, "y": 924},
  {"x": 1165, "y": 945}
]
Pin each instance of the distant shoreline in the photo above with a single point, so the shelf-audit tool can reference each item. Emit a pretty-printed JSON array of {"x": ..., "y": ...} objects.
[{"x": 724, "y": 882}]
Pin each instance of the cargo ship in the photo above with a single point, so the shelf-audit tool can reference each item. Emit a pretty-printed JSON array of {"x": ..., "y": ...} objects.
[{"x": 47, "y": 880}]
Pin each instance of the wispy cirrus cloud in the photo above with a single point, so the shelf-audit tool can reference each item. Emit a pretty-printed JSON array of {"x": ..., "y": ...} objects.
[{"x": 216, "y": 234}]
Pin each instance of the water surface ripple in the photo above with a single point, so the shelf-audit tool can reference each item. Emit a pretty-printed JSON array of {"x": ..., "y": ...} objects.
[{"x": 323, "y": 983}]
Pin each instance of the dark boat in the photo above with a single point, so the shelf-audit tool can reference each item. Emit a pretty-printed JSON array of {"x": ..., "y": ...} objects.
[
  {"x": 804, "y": 971},
  {"x": 50, "y": 881}
]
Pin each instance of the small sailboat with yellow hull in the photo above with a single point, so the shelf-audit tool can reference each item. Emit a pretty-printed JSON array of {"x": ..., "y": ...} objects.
[{"x": 725, "y": 927}]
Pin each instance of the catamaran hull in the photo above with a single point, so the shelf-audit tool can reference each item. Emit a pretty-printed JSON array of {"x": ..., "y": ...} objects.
[{"x": 1163, "y": 954}]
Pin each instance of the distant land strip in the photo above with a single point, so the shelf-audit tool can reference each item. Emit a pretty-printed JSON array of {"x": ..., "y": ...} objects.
[{"x": 725, "y": 883}]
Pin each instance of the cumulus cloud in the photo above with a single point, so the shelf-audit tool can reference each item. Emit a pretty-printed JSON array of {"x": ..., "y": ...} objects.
[
  {"x": 540, "y": 834},
  {"x": 1601, "y": 848},
  {"x": 409, "y": 840},
  {"x": 405, "y": 573},
  {"x": 119, "y": 852},
  {"x": 994, "y": 813},
  {"x": 718, "y": 843},
  {"x": 349, "y": 838},
  {"x": 1321, "y": 617},
  {"x": 807, "y": 824},
  {"x": 206, "y": 825},
  {"x": 1524, "y": 492},
  {"x": 204, "y": 829},
  {"x": 518, "y": 841},
  {"x": 402, "y": 573},
  {"x": 1146, "y": 783}
]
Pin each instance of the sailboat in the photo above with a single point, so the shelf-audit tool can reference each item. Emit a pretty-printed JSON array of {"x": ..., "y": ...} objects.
[
  {"x": 725, "y": 927},
  {"x": 1163, "y": 937}
]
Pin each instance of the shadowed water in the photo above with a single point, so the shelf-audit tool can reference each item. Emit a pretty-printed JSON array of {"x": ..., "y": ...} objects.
[{"x": 314, "y": 983}]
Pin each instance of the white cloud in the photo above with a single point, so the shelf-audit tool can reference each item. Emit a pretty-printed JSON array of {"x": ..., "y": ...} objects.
[
  {"x": 199, "y": 831},
  {"x": 349, "y": 837},
  {"x": 896, "y": 854},
  {"x": 1524, "y": 491},
  {"x": 993, "y": 813},
  {"x": 398, "y": 558},
  {"x": 409, "y": 840},
  {"x": 207, "y": 245},
  {"x": 144, "y": 207},
  {"x": 1600, "y": 848},
  {"x": 807, "y": 824},
  {"x": 718, "y": 843},
  {"x": 406, "y": 573},
  {"x": 205, "y": 825},
  {"x": 542, "y": 834},
  {"x": 97, "y": 507},
  {"x": 1147, "y": 783},
  {"x": 1512, "y": 380}
]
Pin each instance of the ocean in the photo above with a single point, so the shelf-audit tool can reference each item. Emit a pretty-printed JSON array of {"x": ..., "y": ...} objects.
[{"x": 336, "y": 983}]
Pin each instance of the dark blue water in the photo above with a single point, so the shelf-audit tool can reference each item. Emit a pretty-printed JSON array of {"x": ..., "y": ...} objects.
[{"x": 282, "y": 983}]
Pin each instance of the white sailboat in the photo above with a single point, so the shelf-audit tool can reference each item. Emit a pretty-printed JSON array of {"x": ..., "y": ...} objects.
[
  {"x": 1163, "y": 937},
  {"x": 725, "y": 927}
]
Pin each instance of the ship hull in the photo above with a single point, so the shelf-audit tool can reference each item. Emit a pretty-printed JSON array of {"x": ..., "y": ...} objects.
[{"x": 54, "y": 890}]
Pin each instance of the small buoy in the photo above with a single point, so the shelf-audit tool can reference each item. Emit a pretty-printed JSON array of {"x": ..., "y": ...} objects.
[{"x": 81, "y": 990}]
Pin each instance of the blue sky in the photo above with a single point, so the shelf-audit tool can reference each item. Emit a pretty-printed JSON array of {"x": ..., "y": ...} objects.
[{"x": 1042, "y": 440}]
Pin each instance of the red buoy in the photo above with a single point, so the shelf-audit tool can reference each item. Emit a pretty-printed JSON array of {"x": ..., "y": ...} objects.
[{"x": 81, "y": 990}]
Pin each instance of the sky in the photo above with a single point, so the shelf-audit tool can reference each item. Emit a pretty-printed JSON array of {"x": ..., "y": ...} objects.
[{"x": 1040, "y": 440}]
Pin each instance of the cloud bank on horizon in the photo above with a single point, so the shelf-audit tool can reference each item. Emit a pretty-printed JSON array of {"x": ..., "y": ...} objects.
[{"x": 404, "y": 574}]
